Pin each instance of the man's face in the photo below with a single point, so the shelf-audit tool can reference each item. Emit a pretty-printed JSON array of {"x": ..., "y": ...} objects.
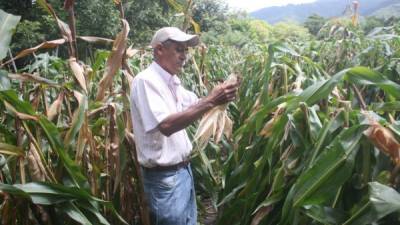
[{"x": 173, "y": 56}]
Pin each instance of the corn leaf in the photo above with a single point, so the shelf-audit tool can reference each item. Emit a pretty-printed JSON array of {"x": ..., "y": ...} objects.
[
  {"x": 383, "y": 200},
  {"x": 26, "y": 77},
  {"x": 97, "y": 40},
  {"x": 78, "y": 73},
  {"x": 330, "y": 171},
  {"x": 114, "y": 61},
  {"x": 44, "y": 45},
  {"x": 8, "y": 23},
  {"x": 8, "y": 149},
  {"x": 366, "y": 76}
]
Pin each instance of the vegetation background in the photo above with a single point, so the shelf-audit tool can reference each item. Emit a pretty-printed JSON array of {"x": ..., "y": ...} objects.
[{"x": 315, "y": 127}]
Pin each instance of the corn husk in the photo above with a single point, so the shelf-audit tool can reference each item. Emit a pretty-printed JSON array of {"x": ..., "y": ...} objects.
[
  {"x": 215, "y": 122},
  {"x": 384, "y": 140}
]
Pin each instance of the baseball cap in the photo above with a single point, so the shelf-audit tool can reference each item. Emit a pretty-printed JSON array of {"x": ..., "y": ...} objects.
[{"x": 175, "y": 34}]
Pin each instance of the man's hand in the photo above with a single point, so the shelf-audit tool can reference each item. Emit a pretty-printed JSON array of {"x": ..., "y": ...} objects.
[{"x": 223, "y": 93}]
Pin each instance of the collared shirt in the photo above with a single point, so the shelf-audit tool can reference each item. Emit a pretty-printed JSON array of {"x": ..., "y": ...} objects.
[{"x": 155, "y": 95}]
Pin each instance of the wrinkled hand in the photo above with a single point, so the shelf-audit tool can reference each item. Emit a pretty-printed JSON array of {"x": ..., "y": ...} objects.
[{"x": 223, "y": 93}]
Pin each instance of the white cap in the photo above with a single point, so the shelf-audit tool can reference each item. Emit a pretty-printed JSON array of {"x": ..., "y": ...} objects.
[{"x": 175, "y": 34}]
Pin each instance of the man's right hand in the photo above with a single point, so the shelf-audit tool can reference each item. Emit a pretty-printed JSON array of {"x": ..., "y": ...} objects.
[{"x": 223, "y": 93}]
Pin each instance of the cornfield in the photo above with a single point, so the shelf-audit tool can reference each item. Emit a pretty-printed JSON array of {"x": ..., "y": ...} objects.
[{"x": 315, "y": 130}]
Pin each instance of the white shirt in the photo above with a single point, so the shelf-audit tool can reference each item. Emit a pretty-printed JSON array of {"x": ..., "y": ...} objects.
[{"x": 155, "y": 95}]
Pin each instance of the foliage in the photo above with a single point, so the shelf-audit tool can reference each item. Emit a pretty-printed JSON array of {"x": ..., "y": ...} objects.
[
  {"x": 301, "y": 152},
  {"x": 314, "y": 23},
  {"x": 210, "y": 13},
  {"x": 295, "y": 157},
  {"x": 290, "y": 31}
]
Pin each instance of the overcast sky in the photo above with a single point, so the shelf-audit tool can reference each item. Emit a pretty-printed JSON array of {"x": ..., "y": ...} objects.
[{"x": 251, "y": 5}]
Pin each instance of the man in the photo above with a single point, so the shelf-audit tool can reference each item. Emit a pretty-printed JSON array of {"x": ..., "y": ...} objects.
[{"x": 161, "y": 109}]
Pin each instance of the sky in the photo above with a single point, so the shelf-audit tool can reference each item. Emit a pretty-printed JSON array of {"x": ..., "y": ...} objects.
[{"x": 252, "y": 5}]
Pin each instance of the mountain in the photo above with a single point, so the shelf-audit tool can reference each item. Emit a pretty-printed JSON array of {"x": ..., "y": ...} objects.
[
  {"x": 326, "y": 8},
  {"x": 388, "y": 11}
]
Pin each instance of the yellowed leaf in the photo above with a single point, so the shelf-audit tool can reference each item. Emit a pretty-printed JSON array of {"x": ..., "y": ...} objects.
[
  {"x": 8, "y": 149},
  {"x": 78, "y": 73},
  {"x": 25, "y": 77},
  {"x": 36, "y": 168},
  {"x": 260, "y": 214},
  {"x": 196, "y": 26},
  {"x": 93, "y": 39},
  {"x": 55, "y": 107},
  {"x": 130, "y": 52},
  {"x": 46, "y": 44},
  {"x": 114, "y": 61},
  {"x": 267, "y": 129},
  {"x": 20, "y": 115}
]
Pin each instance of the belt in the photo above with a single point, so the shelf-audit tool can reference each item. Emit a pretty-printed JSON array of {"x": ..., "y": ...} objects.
[{"x": 169, "y": 167}]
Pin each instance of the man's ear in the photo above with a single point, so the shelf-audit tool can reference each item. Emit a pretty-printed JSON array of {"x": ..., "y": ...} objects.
[{"x": 159, "y": 47}]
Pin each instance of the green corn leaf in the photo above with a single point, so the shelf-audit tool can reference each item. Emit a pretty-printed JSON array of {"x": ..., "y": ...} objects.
[
  {"x": 57, "y": 145},
  {"x": 8, "y": 23},
  {"x": 366, "y": 76},
  {"x": 52, "y": 135},
  {"x": 385, "y": 106},
  {"x": 383, "y": 200},
  {"x": 325, "y": 215},
  {"x": 77, "y": 119},
  {"x": 74, "y": 213},
  {"x": 11, "y": 97},
  {"x": 330, "y": 171}
]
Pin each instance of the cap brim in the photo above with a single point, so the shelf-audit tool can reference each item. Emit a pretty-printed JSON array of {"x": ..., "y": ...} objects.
[{"x": 190, "y": 39}]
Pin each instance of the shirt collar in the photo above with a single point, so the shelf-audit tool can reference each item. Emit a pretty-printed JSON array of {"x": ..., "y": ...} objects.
[{"x": 169, "y": 79}]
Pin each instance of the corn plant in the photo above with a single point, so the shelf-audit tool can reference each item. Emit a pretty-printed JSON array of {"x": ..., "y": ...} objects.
[
  {"x": 67, "y": 148},
  {"x": 303, "y": 152}
]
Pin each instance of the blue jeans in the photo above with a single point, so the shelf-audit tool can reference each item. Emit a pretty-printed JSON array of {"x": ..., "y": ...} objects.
[{"x": 170, "y": 196}]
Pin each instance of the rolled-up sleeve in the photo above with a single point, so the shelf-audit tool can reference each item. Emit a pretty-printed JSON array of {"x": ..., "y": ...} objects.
[{"x": 150, "y": 103}]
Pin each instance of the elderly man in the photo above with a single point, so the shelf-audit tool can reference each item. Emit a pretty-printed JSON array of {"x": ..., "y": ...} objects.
[{"x": 161, "y": 109}]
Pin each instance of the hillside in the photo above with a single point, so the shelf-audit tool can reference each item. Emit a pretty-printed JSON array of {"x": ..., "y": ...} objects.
[
  {"x": 386, "y": 12},
  {"x": 326, "y": 8}
]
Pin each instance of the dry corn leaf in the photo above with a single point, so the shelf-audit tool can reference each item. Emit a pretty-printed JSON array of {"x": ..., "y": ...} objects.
[
  {"x": 20, "y": 115},
  {"x": 384, "y": 140},
  {"x": 64, "y": 28},
  {"x": 55, "y": 107},
  {"x": 35, "y": 165},
  {"x": 25, "y": 77},
  {"x": 114, "y": 155},
  {"x": 77, "y": 69},
  {"x": 93, "y": 39},
  {"x": 130, "y": 52},
  {"x": 261, "y": 214},
  {"x": 46, "y": 44},
  {"x": 114, "y": 61}
]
